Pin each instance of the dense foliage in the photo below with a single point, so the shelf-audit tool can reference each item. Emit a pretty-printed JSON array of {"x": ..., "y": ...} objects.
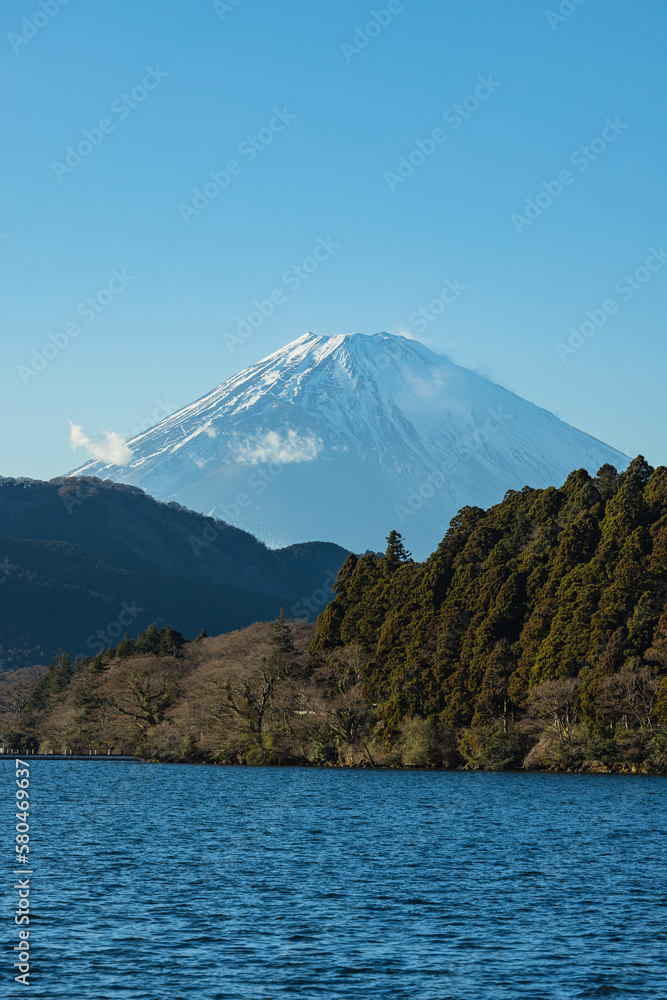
[
  {"x": 554, "y": 596},
  {"x": 535, "y": 636},
  {"x": 254, "y": 696}
]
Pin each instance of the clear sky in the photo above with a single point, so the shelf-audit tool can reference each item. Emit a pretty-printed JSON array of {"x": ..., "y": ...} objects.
[{"x": 114, "y": 112}]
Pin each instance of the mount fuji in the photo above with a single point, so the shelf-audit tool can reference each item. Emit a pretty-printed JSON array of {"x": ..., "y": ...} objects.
[{"x": 343, "y": 438}]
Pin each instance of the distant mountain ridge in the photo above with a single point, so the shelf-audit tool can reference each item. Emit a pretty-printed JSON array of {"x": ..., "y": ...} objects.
[
  {"x": 75, "y": 553},
  {"x": 347, "y": 437}
]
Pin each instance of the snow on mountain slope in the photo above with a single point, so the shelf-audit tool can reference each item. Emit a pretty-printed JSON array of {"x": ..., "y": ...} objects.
[{"x": 344, "y": 438}]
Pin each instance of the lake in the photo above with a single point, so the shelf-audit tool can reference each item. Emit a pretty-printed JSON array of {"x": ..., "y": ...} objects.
[{"x": 165, "y": 882}]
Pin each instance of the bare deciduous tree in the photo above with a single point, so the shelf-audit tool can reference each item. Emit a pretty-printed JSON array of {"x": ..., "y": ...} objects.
[
  {"x": 553, "y": 702},
  {"x": 144, "y": 688},
  {"x": 249, "y": 699},
  {"x": 338, "y": 701},
  {"x": 630, "y": 694},
  {"x": 16, "y": 689}
]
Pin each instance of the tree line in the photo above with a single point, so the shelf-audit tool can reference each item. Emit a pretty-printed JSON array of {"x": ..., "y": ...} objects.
[{"x": 535, "y": 636}]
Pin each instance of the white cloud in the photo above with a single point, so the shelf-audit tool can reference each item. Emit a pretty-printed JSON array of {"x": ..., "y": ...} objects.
[
  {"x": 109, "y": 448},
  {"x": 271, "y": 447},
  {"x": 425, "y": 388}
]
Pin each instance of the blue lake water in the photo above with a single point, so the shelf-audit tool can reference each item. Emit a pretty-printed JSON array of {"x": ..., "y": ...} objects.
[{"x": 165, "y": 882}]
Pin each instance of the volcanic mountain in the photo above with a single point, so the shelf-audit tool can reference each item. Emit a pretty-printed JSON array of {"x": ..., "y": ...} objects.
[{"x": 343, "y": 438}]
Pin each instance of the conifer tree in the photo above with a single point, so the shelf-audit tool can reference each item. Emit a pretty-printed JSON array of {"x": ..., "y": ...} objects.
[
  {"x": 171, "y": 641},
  {"x": 148, "y": 641},
  {"x": 396, "y": 552},
  {"x": 125, "y": 647},
  {"x": 607, "y": 481},
  {"x": 281, "y": 635}
]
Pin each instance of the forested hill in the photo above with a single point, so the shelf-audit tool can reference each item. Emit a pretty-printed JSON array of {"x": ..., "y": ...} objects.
[
  {"x": 129, "y": 526},
  {"x": 82, "y": 560},
  {"x": 564, "y": 585},
  {"x": 535, "y": 637}
]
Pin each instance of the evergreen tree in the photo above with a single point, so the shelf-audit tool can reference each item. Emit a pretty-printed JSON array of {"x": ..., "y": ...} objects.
[
  {"x": 171, "y": 642},
  {"x": 281, "y": 635},
  {"x": 607, "y": 481},
  {"x": 549, "y": 584},
  {"x": 125, "y": 647},
  {"x": 396, "y": 553},
  {"x": 53, "y": 682},
  {"x": 148, "y": 641}
]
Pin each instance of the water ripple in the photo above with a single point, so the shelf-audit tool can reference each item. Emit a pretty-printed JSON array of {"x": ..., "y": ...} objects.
[{"x": 171, "y": 882}]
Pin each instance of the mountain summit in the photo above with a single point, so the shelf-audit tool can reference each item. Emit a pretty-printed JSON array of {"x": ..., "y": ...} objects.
[{"x": 343, "y": 438}]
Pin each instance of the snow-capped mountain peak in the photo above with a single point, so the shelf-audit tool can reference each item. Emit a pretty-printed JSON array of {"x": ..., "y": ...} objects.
[{"x": 343, "y": 438}]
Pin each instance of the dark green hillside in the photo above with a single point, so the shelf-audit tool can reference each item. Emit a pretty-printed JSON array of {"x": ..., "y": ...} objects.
[
  {"x": 567, "y": 586},
  {"x": 132, "y": 528},
  {"x": 535, "y": 636},
  {"x": 59, "y": 596},
  {"x": 72, "y": 551}
]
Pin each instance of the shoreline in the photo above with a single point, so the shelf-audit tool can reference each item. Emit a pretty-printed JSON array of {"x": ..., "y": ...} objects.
[
  {"x": 395, "y": 767},
  {"x": 351, "y": 766}
]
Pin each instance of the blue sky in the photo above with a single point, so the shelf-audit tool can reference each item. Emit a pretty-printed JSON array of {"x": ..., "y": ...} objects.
[{"x": 305, "y": 111}]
